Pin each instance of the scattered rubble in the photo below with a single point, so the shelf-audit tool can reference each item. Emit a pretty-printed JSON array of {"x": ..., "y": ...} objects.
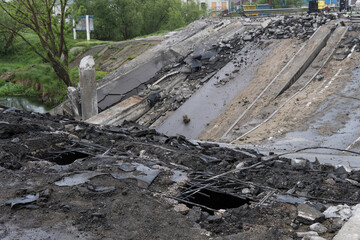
[{"x": 129, "y": 181}]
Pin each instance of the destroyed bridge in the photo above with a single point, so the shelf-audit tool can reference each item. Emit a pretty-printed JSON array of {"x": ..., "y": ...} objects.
[{"x": 233, "y": 128}]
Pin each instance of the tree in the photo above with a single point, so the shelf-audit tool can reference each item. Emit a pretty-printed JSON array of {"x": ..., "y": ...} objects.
[
  {"x": 7, "y": 35},
  {"x": 38, "y": 16}
]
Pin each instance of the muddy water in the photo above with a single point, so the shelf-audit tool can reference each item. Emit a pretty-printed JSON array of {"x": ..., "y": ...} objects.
[{"x": 24, "y": 103}]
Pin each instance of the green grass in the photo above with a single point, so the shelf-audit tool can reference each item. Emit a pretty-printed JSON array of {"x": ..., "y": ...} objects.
[
  {"x": 12, "y": 89},
  {"x": 131, "y": 57},
  {"x": 33, "y": 77}
]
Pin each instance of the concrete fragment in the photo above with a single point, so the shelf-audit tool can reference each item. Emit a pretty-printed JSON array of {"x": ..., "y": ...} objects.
[
  {"x": 69, "y": 127},
  {"x": 194, "y": 214},
  {"x": 74, "y": 99},
  {"x": 289, "y": 199},
  {"x": 351, "y": 229},
  {"x": 22, "y": 200},
  {"x": 77, "y": 179},
  {"x": 306, "y": 234},
  {"x": 313, "y": 238},
  {"x": 339, "y": 211},
  {"x": 265, "y": 23},
  {"x": 298, "y": 162},
  {"x": 245, "y": 191},
  {"x": 318, "y": 227},
  {"x": 247, "y": 38},
  {"x": 308, "y": 214},
  {"x": 181, "y": 208},
  {"x": 143, "y": 174}
]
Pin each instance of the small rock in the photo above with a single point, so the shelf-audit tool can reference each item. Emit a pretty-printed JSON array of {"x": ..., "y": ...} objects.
[
  {"x": 298, "y": 162},
  {"x": 186, "y": 119},
  {"x": 318, "y": 227},
  {"x": 306, "y": 234},
  {"x": 330, "y": 181},
  {"x": 308, "y": 214},
  {"x": 335, "y": 224},
  {"x": 194, "y": 214},
  {"x": 70, "y": 127},
  {"x": 313, "y": 238},
  {"x": 245, "y": 191},
  {"x": 319, "y": 77},
  {"x": 214, "y": 218},
  {"x": 339, "y": 211},
  {"x": 15, "y": 140},
  {"x": 78, "y": 128},
  {"x": 181, "y": 208},
  {"x": 247, "y": 38},
  {"x": 154, "y": 87},
  {"x": 142, "y": 153},
  {"x": 73, "y": 137}
]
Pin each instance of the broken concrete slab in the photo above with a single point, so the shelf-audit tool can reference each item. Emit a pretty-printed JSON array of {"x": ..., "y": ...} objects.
[
  {"x": 318, "y": 227},
  {"x": 308, "y": 214},
  {"x": 143, "y": 174},
  {"x": 351, "y": 229},
  {"x": 76, "y": 179},
  {"x": 129, "y": 110},
  {"x": 340, "y": 211},
  {"x": 289, "y": 199},
  {"x": 22, "y": 200}
]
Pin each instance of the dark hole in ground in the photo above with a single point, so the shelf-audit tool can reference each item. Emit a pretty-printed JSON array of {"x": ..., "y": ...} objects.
[
  {"x": 216, "y": 200},
  {"x": 64, "y": 158}
]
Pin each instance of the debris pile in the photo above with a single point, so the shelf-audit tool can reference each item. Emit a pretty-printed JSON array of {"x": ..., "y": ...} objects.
[
  {"x": 129, "y": 181},
  {"x": 177, "y": 82}
]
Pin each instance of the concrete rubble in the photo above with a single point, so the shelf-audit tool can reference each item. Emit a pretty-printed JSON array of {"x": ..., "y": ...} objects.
[
  {"x": 115, "y": 177},
  {"x": 105, "y": 166}
]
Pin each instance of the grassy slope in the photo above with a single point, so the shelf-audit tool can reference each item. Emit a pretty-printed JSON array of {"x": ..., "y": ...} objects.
[{"x": 32, "y": 76}]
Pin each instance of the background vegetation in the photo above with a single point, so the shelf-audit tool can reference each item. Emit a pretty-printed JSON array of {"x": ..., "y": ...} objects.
[{"x": 114, "y": 20}]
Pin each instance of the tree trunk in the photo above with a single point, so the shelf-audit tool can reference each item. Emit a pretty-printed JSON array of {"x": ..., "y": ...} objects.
[{"x": 62, "y": 74}]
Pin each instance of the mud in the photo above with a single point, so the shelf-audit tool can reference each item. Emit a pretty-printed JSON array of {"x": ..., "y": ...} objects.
[{"x": 129, "y": 182}]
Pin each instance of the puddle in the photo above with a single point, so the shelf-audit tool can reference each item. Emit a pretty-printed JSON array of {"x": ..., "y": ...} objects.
[{"x": 30, "y": 104}]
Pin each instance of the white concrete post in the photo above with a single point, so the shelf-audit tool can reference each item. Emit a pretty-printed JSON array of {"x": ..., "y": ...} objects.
[
  {"x": 74, "y": 29},
  {"x": 88, "y": 94},
  {"x": 87, "y": 27}
]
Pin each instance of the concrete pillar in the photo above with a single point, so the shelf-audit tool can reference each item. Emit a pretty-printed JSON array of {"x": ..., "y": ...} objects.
[{"x": 88, "y": 94}]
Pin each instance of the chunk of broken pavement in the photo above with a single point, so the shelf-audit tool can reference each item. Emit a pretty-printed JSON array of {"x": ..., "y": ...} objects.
[
  {"x": 247, "y": 38},
  {"x": 289, "y": 199},
  {"x": 313, "y": 238},
  {"x": 339, "y": 211},
  {"x": 318, "y": 227},
  {"x": 22, "y": 200},
  {"x": 306, "y": 234},
  {"x": 76, "y": 179},
  {"x": 308, "y": 215},
  {"x": 181, "y": 208}
]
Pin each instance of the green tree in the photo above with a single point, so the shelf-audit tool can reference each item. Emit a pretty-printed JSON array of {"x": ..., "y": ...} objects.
[
  {"x": 156, "y": 14},
  {"x": 38, "y": 16},
  {"x": 8, "y": 34},
  {"x": 176, "y": 19}
]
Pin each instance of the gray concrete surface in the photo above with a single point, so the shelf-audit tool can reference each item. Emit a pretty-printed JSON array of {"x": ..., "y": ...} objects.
[
  {"x": 87, "y": 83},
  {"x": 351, "y": 229},
  {"x": 209, "y": 101}
]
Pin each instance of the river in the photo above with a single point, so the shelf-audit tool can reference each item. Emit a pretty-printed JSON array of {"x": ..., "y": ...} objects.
[{"x": 24, "y": 103}]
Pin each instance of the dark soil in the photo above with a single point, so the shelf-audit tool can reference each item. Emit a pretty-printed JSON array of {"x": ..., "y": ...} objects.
[{"x": 38, "y": 153}]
